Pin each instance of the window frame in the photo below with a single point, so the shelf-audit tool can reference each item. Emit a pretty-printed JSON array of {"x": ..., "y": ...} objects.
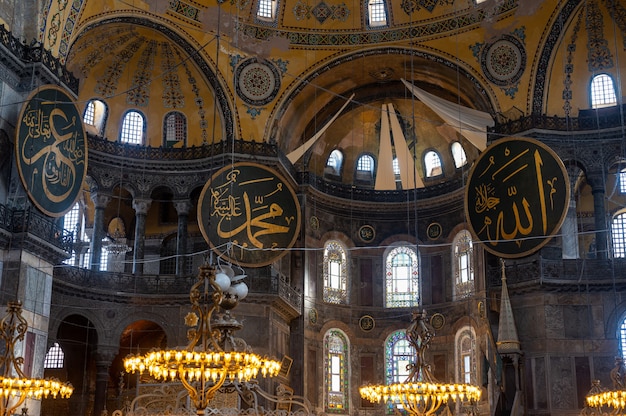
[
  {"x": 179, "y": 127},
  {"x": 463, "y": 248},
  {"x": 335, "y": 168},
  {"x": 427, "y": 165},
  {"x": 335, "y": 292},
  {"x": 123, "y": 132},
  {"x": 55, "y": 357},
  {"x": 336, "y": 401},
  {"x": 459, "y": 160},
  {"x": 403, "y": 298},
  {"x": 272, "y": 7},
  {"x": 618, "y": 242},
  {"x": 384, "y": 11},
  {"x": 465, "y": 335},
  {"x": 606, "y": 91},
  {"x": 98, "y": 115}
]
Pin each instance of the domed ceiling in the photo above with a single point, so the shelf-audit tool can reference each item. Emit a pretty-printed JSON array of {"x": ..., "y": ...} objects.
[{"x": 160, "y": 56}]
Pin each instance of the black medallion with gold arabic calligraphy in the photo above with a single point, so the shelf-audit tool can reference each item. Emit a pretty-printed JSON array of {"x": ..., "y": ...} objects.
[
  {"x": 516, "y": 197},
  {"x": 51, "y": 150},
  {"x": 249, "y": 214}
]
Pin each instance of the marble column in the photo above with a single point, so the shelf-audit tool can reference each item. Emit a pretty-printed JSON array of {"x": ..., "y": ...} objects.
[
  {"x": 182, "y": 208},
  {"x": 104, "y": 358},
  {"x": 569, "y": 229},
  {"x": 141, "y": 207},
  {"x": 599, "y": 213},
  {"x": 100, "y": 202}
]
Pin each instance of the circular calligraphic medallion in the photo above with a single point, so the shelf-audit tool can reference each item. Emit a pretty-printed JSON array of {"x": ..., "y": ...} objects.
[
  {"x": 367, "y": 233},
  {"x": 257, "y": 83},
  {"x": 366, "y": 323},
  {"x": 249, "y": 214},
  {"x": 516, "y": 197},
  {"x": 51, "y": 150},
  {"x": 434, "y": 231},
  {"x": 437, "y": 321},
  {"x": 504, "y": 61}
]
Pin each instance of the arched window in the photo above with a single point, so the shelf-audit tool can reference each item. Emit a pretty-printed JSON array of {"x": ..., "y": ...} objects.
[
  {"x": 377, "y": 13},
  {"x": 133, "y": 127},
  {"x": 399, "y": 353},
  {"x": 618, "y": 235},
  {"x": 55, "y": 358},
  {"x": 622, "y": 338},
  {"x": 95, "y": 115},
  {"x": 365, "y": 168},
  {"x": 602, "y": 91},
  {"x": 458, "y": 154},
  {"x": 267, "y": 10},
  {"x": 463, "y": 263},
  {"x": 465, "y": 341},
  {"x": 175, "y": 130},
  {"x": 334, "y": 162},
  {"x": 335, "y": 273},
  {"x": 622, "y": 181},
  {"x": 432, "y": 164},
  {"x": 72, "y": 222},
  {"x": 336, "y": 365},
  {"x": 401, "y": 278}
]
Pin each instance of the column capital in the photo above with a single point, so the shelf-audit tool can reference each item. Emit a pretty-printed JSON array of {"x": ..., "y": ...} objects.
[
  {"x": 141, "y": 205},
  {"x": 100, "y": 200},
  {"x": 182, "y": 206}
]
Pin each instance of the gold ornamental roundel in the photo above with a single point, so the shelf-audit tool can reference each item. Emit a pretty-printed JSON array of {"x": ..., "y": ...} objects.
[
  {"x": 516, "y": 197},
  {"x": 51, "y": 150},
  {"x": 249, "y": 214}
]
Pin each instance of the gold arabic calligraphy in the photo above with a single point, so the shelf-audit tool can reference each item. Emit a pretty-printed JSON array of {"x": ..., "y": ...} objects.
[
  {"x": 248, "y": 218},
  {"x": 522, "y": 175},
  {"x": 54, "y": 150}
]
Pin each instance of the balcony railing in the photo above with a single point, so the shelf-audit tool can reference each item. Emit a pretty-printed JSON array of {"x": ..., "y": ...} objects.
[
  {"x": 29, "y": 221},
  {"x": 132, "y": 285},
  {"x": 569, "y": 274}
]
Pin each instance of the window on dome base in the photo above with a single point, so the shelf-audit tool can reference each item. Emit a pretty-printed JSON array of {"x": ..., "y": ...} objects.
[{"x": 602, "y": 91}]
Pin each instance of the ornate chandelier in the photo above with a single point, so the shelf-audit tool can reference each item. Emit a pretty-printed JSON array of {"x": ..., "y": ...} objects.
[
  {"x": 15, "y": 387},
  {"x": 614, "y": 400},
  {"x": 420, "y": 394},
  {"x": 213, "y": 356}
]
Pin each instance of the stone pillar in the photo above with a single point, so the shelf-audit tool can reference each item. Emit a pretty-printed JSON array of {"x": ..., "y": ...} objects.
[
  {"x": 104, "y": 358},
  {"x": 182, "y": 208},
  {"x": 569, "y": 229},
  {"x": 599, "y": 214},
  {"x": 100, "y": 202},
  {"x": 141, "y": 207}
]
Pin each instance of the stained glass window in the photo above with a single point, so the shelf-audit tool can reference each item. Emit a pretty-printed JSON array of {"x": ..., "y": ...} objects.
[
  {"x": 401, "y": 278},
  {"x": 55, "y": 357},
  {"x": 336, "y": 368},
  {"x": 399, "y": 354},
  {"x": 335, "y": 273},
  {"x": 463, "y": 254},
  {"x": 465, "y": 357}
]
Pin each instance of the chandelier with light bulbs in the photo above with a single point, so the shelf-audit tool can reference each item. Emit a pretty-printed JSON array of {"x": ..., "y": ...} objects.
[
  {"x": 15, "y": 386},
  {"x": 420, "y": 394},
  {"x": 214, "y": 357},
  {"x": 614, "y": 400}
]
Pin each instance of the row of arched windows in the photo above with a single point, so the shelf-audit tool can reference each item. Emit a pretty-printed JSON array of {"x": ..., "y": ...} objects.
[
  {"x": 399, "y": 353},
  {"x": 366, "y": 164},
  {"x": 402, "y": 280},
  {"x": 133, "y": 128}
]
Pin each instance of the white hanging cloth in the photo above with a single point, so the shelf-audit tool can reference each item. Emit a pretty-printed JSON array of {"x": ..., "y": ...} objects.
[
  {"x": 471, "y": 124},
  {"x": 297, "y": 154}
]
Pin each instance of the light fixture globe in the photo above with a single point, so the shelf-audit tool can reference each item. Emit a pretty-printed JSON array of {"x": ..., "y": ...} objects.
[{"x": 213, "y": 357}]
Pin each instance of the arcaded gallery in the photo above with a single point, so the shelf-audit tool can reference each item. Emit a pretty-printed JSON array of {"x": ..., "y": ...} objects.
[{"x": 312, "y": 207}]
